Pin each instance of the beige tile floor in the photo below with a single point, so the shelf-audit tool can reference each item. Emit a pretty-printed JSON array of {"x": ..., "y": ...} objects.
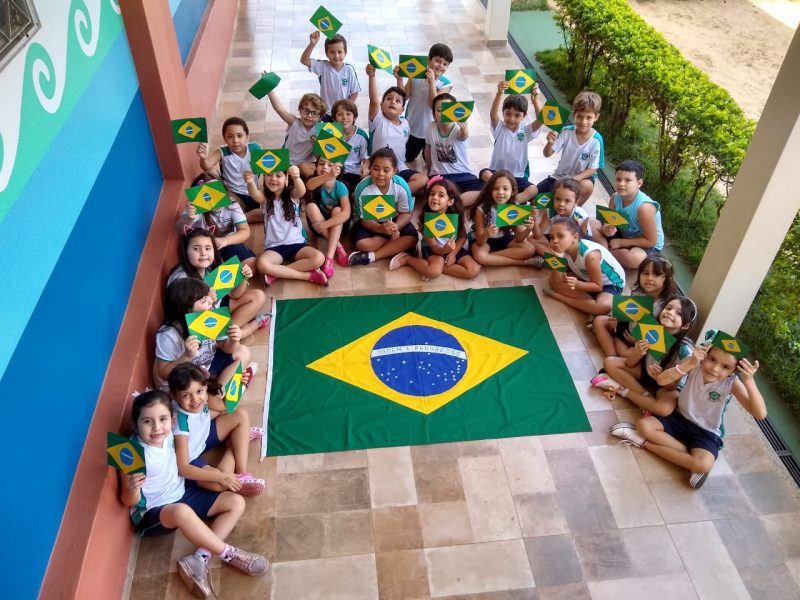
[{"x": 569, "y": 516}]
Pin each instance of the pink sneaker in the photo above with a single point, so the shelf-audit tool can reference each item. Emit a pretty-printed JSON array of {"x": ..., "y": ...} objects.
[
  {"x": 341, "y": 256},
  {"x": 256, "y": 433},
  {"x": 327, "y": 268},
  {"x": 318, "y": 277},
  {"x": 268, "y": 280},
  {"x": 250, "y": 485}
]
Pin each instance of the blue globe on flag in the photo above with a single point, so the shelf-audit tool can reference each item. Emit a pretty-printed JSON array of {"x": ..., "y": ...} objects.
[
  {"x": 210, "y": 322},
  {"x": 126, "y": 457}
]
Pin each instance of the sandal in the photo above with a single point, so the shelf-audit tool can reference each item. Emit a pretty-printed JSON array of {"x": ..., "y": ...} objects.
[
  {"x": 256, "y": 433},
  {"x": 250, "y": 485}
]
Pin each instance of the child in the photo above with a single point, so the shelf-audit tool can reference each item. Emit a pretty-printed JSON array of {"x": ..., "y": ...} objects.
[
  {"x": 383, "y": 238},
  {"x": 634, "y": 379},
  {"x": 160, "y": 503},
  {"x": 174, "y": 345},
  {"x": 691, "y": 436},
  {"x": 204, "y": 423},
  {"x": 493, "y": 245},
  {"x": 233, "y": 160},
  {"x": 511, "y": 137},
  {"x": 337, "y": 79},
  {"x": 286, "y": 254},
  {"x": 420, "y": 94},
  {"x": 388, "y": 128},
  {"x": 644, "y": 236},
  {"x": 599, "y": 275},
  {"x": 300, "y": 129},
  {"x": 198, "y": 255},
  {"x": 654, "y": 278},
  {"x": 356, "y": 166},
  {"x": 442, "y": 255},
  {"x": 328, "y": 212},
  {"x": 580, "y": 145},
  {"x": 565, "y": 204},
  {"x": 447, "y": 152},
  {"x": 228, "y": 225}
]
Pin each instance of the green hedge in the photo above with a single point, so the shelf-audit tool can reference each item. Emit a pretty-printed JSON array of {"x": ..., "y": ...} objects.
[{"x": 691, "y": 136}]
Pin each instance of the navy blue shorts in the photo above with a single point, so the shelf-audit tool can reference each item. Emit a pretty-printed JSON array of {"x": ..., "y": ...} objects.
[
  {"x": 614, "y": 290},
  {"x": 287, "y": 252},
  {"x": 361, "y": 233},
  {"x": 522, "y": 183},
  {"x": 241, "y": 251},
  {"x": 427, "y": 253},
  {"x": 407, "y": 174},
  {"x": 501, "y": 243},
  {"x": 648, "y": 251},
  {"x": 212, "y": 441},
  {"x": 414, "y": 146},
  {"x": 465, "y": 182},
  {"x": 690, "y": 434},
  {"x": 198, "y": 499},
  {"x": 248, "y": 203},
  {"x": 351, "y": 180},
  {"x": 221, "y": 360},
  {"x": 546, "y": 184}
]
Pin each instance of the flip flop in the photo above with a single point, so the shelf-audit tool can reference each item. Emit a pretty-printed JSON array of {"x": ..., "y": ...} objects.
[{"x": 256, "y": 433}]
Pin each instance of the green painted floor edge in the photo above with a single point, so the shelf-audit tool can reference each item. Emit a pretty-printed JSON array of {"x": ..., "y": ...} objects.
[{"x": 534, "y": 31}]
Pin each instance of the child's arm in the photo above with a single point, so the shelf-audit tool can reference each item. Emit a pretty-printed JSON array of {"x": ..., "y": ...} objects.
[
  {"x": 320, "y": 180},
  {"x": 285, "y": 115},
  {"x": 131, "y": 489},
  {"x": 191, "y": 347},
  {"x": 746, "y": 391},
  {"x": 208, "y": 161},
  {"x": 299, "y": 189},
  {"x": 231, "y": 345},
  {"x": 305, "y": 58},
  {"x": 187, "y": 218},
  {"x": 463, "y": 130},
  {"x": 426, "y": 157},
  {"x": 637, "y": 354},
  {"x": 538, "y": 102},
  {"x": 482, "y": 233},
  {"x": 211, "y": 474},
  {"x": 495, "y": 113},
  {"x": 595, "y": 283},
  {"x": 676, "y": 373},
  {"x": 252, "y": 189},
  {"x": 374, "y": 98},
  {"x": 548, "y": 150},
  {"x": 407, "y": 86},
  {"x": 430, "y": 77},
  {"x": 649, "y": 237},
  {"x": 240, "y": 289}
]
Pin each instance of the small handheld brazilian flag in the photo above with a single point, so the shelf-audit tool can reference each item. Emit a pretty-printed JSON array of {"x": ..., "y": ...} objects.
[
  {"x": 457, "y": 112},
  {"x": 323, "y": 20},
  {"x": 267, "y": 83},
  {"x": 211, "y": 324},
  {"x": 267, "y": 161},
  {"x": 378, "y": 208},
  {"x": 225, "y": 277},
  {"x": 543, "y": 200},
  {"x": 189, "y": 130},
  {"x": 658, "y": 338},
  {"x": 234, "y": 390},
  {"x": 520, "y": 81},
  {"x": 728, "y": 343},
  {"x": 631, "y": 308},
  {"x": 208, "y": 196},
  {"x": 379, "y": 58},
  {"x": 332, "y": 148},
  {"x": 509, "y": 215},
  {"x": 413, "y": 66},
  {"x": 440, "y": 225},
  {"x": 126, "y": 454},
  {"x": 323, "y": 130},
  {"x": 554, "y": 116},
  {"x": 555, "y": 263},
  {"x": 609, "y": 216}
]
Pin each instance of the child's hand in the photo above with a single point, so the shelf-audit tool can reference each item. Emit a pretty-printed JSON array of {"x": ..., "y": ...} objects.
[
  {"x": 450, "y": 246},
  {"x": 608, "y": 230},
  {"x": 699, "y": 353},
  {"x": 535, "y": 91},
  {"x": 502, "y": 87},
  {"x": 202, "y": 150},
  {"x": 430, "y": 75},
  {"x": 493, "y": 229},
  {"x": 247, "y": 272},
  {"x": 642, "y": 347},
  {"x": 571, "y": 281},
  {"x": 234, "y": 333},
  {"x": 654, "y": 370},
  {"x": 389, "y": 227},
  {"x": 230, "y": 481},
  {"x": 314, "y": 37},
  {"x": 746, "y": 369},
  {"x": 628, "y": 337},
  {"x": 249, "y": 177},
  {"x": 135, "y": 481},
  {"x": 191, "y": 212},
  {"x": 533, "y": 219},
  {"x": 336, "y": 170},
  {"x": 191, "y": 346},
  {"x": 371, "y": 71},
  {"x": 293, "y": 172},
  {"x": 615, "y": 244},
  {"x": 551, "y": 137}
]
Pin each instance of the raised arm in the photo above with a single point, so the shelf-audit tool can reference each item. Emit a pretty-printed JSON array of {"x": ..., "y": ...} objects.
[
  {"x": 496, "y": 114},
  {"x": 374, "y": 97},
  {"x": 305, "y": 58},
  {"x": 278, "y": 107}
]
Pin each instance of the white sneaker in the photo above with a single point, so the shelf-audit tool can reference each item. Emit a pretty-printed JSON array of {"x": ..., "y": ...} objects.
[
  {"x": 394, "y": 264},
  {"x": 696, "y": 480},
  {"x": 194, "y": 573},
  {"x": 628, "y": 434}
]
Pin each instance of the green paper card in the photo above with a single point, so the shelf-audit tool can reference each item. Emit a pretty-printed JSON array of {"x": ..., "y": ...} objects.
[
  {"x": 189, "y": 130},
  {"x": 378, "y": 208},
  {"x": 234, "y": 390},
  {"x": 509, "y": 215},
  {"x": 440, "y": 225},
  {"x": 413, "y": 66},
  {"x": 609, "y": 216},
  {"x": 380, "y": 58},
  {"x": 456, "y": 112},
  {"x": 267, "y": 83},
  {"x": 554, "y": 116},
  {"x": 323, "y": 20},
  {"x": 543, "y": 200},
  {"x": 631, "y": 308},
  {"x": 209, "y": 324},
  {"x": 126, "y": 454},
  {"x": 728, "y": 343},
  {"x": 208, "y": 196},
  {"x": 323, "y": 130},
  {"x": 555, "y": 263},
  {"x": 225, "y": 277},
  {"x": 269, "y": 160},
  {"x": 331, "y": 148},
  {"x": 659, "y": 339},
  {"x": 520, "y": 81}
]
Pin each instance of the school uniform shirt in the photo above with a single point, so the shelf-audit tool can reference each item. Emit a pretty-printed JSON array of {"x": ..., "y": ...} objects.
[
  {"x": 704, "y": 404},
  {"x": 334, "y": 85},
  {"x": 359, "y": 150},
  {"x": 277, "y": 230},
  {"x": 577, "y": 213},
  {"x": 298, "y": 142},
  {"x": 224, "y": 219},
  {"x": 576, "y": 157},
  {"x": 404, "y": 200},
  {"x": 162, "y": 485},
  {"x": 613, "y": 273},
  {"x": 385, "y": 134},
  {"x": 233, "y": 168},
  {"x": 179, "y": 273},
  {"x": 195, "y": 426},
  {"x": 510, "y": 150},
  {"x": 449, "y": 153},
  {"x": 418, "y": 109},
  {"x": 330, "y": 200},
  {"x": 170, "y": 347}
]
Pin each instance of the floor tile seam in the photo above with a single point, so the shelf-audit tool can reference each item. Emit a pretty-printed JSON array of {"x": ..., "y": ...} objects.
[{"x": 683, "y": 562}]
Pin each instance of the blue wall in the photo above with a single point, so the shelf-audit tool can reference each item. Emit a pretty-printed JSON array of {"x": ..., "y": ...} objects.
[{"x": 187, "y": 19}]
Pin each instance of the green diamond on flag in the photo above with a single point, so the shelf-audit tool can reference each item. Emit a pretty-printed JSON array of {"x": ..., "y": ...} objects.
[
  {"x": 234, "y": 390},
  {"x": 413, "y": 66},
  {"x": 126, "y": 454},
  {"x": 323, "y": 20},
  {"x": 659, "y": 340},
  {"x": 211, "y": 324},
  {"x": 225, "y": 277},
  {"x": 440, "y": 225},
  {"x": 323, "y": 129},
  {"x": 631, "y": 308},
  {"x": 520, "y": 81},
  {"x": 456, "y": 112},
  {"x": 378, "y": 208},
  {"x": 189, "y": 130},
  {"x": 509, "y": 215},
  {"x": 267, "y": 83},
  {"x": 331, "y": 148},
  {"x": 554, "y": 116},
  {"x": 379, "y": 58},
  {"x": 208, "y": 196},
  {"x": 543, "y": 200},
  {"x": 609, "y": 216},
  {"x": 269, "y": 160},
  {"x": 728, "y": 343},
  {"x": 555, "y": 263}
]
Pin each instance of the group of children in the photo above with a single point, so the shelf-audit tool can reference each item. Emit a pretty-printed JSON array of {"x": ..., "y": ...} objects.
[{"x": 315, "y": 198}]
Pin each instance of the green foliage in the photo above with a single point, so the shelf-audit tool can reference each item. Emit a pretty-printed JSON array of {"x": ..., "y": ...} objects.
[{"x": 527, "y": 5}]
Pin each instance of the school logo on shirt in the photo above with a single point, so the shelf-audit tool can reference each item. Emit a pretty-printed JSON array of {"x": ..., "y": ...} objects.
[
  {"x": 406, "y": 132},
  {"x": 345, "y": 81},
  {"x": 714, "y": 396},
  {"x": 520, "y": 136},
  {"x": 584, "y": 155}
]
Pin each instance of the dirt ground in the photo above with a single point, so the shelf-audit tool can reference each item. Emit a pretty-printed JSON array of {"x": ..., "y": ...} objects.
[{"x": 737, "y": 43}]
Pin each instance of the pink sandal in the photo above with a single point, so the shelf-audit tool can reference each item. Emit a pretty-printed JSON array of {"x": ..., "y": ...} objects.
[
  {"x": 256, "y": 433},
  {"x": 250, "y": 485}
]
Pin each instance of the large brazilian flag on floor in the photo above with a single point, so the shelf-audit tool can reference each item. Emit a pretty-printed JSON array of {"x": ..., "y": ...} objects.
[{"x": 405, "y": 369}]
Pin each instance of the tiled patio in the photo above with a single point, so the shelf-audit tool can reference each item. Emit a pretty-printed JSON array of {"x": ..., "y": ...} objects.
[{"x": 566, "y": 516}]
